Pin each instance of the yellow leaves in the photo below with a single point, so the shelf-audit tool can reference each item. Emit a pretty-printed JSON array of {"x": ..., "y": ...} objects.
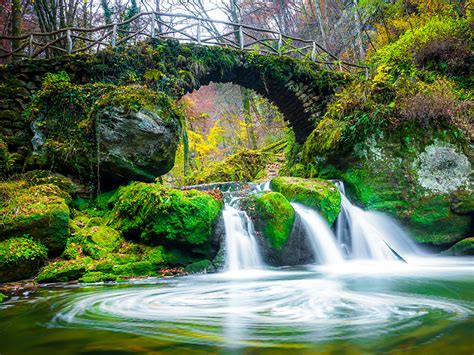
[{"x": 383, "y": 74}]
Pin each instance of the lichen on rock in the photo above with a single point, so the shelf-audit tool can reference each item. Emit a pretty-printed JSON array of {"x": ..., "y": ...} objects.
[{"x": 441, "y": 168}]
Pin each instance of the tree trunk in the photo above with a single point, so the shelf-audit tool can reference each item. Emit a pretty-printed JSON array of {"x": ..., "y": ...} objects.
[{"x": 16, "y": 22}]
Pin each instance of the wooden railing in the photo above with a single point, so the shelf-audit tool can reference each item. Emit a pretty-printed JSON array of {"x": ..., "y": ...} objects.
[{"x": 184, "y": 28}]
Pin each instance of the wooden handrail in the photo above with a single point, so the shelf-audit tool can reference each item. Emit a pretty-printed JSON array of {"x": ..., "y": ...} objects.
[{"x": 285, "y": 44}]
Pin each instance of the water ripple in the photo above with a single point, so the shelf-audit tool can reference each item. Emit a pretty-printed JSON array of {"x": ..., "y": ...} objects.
[{"x": 205, "y": 310}]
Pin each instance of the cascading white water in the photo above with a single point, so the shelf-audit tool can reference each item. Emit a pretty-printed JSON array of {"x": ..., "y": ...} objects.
[
  {"x": 321, "y": 237},
  {"x": 241, "y": 245},
  {"x": 371, "y": 235}
]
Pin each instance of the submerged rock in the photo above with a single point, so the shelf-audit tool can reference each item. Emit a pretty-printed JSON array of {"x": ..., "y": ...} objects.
[{"x": 134, "y": 146}]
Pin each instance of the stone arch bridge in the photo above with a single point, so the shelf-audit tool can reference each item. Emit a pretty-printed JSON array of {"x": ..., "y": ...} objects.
[{"x": 300, "y": 88}]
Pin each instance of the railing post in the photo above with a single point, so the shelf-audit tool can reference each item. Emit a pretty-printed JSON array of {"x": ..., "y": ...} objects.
[
  {"x": 152, "y": 32},
  {"x": 241, "y": 38},
  {"x": 199, "y": 32},
  {"x": 114, "y": 36},
  {"x": 31, "y": 50},
  {"x": 69, "y": 41},
  {"x": 313, "y": 52},
  {"x": 280, "y": 42}
]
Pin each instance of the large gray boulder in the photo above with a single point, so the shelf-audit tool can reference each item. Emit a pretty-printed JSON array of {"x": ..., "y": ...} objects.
[{"x": 136, "y": 146}]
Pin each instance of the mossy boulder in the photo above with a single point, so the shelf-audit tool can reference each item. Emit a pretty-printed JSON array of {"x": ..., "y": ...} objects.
[
  {"x": 321, "y": 195},
  {"x": 103, "y": 132},
  {"x": 273, "y": 216},
  {"x": 91, "y": 237},
  {"x": 461, "y": 248},
  {"x": 20, "y": 258},
  {"x": 158, "y": 215},
  {"x": 280, "y": 235},
  {"x": 401, "y": 174},
  {"x": 39, "y": 211}
]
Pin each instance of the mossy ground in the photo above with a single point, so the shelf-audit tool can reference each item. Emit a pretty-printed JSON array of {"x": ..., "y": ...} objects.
[{"x": 320, "y": 194}]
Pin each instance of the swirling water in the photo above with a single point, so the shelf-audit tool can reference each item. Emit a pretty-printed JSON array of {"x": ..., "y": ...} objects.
[{"x": 363, "y": 307}]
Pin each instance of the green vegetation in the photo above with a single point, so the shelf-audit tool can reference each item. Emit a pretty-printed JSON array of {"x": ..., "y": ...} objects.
[
  {"x": 67, "y": 117},
  {"x": 322, "y": 195},
  {"x": 273, "y": 216},
  {"x": 462, "y": 248},
  {"x": 39, "y": 211},
  {"x": 20, "y": 257},
  {"x": 243, "y": 166},
  {"x": 201, "y": 266},
  {"x": 158, "y": 214}
]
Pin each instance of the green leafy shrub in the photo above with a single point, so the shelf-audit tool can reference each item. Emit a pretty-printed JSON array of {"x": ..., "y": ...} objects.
[{"x": 20, "y": 257}]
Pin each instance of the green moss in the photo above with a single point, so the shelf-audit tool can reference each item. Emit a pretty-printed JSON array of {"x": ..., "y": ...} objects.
[
  {"x": 2, "y": 297},
  {"x": 322, "y": 195},
  {"x": 160, "y": 215},
  {"x": 20, "y": 258},
  {"x": 91, "y": 237},
  {"x": 97, "y": 276},
  {"x": 65, "y": 114},
  {"x": 198, "y": 267},
  {"x": 63, "y": 271},
  {"x": 242, "y": 166},
  {"x": 464, "y": 247},
  {"x": 273, "y": 215},
  {"x": 382, "y": 177},
  {"x": 39, "y": 211}
]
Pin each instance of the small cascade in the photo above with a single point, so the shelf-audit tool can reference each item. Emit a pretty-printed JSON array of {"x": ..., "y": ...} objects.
[
  {"x": 241, "y": 245},
  {"x": 370, "y": 235},
  {"x": 322, "y": 239}
]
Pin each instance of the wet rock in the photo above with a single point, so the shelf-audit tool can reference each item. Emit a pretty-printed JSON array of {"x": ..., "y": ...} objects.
[{"x": 135, "y": 146}]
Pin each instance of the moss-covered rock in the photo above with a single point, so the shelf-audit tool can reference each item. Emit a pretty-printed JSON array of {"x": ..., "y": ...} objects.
[
  {"x": 20, "y": 258},
  {"x": 383, "y": 174},
  {"x": 461, "y": 248},
  {"x": 91, "y": 237},
  {"x": 322, "y": 195},
  {"x": 242, "y": 166},
  {"x": 2, "y": 297},
  {"x": 273, "y": 216},
  {"x": 39, "y": 211},
  {"x": 199, "y": 267},
  {"x": 104, "y": 132},
  {"x": 156, "y": 215},
  {"x": 64, "y": 270},
  {"x": 98, "y": 276}
]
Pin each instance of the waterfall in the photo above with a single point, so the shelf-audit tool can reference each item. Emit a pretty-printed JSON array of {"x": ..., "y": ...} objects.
[
  {"x": 370, "y": 235},
  {"x": 322, "y": 239},
  {"x": 241, "y": 244}
]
